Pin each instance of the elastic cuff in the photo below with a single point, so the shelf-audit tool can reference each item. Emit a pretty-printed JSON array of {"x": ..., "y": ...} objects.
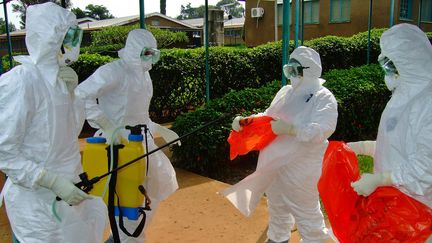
[
  {"x": 387, "y": 179},
  {"x": 46, "y": 179}
]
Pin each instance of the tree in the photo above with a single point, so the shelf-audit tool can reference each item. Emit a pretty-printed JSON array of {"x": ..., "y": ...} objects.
[
  {"x": 188, "y": 12},
  {"x": 163, "y": 7},
  {"x": 98, "y": 12},
  {"x": 22, "y": 5},
  {"x": 79, "y": 13},
  {"x": 3, "y": 26},
  {"x": 231, "y": 7},
  {"x": 94, "y": 11}
]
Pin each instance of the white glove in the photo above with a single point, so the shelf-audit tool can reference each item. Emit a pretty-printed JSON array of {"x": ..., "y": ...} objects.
[
  {"x": 369, "y": 182},
  {"x": 62, "y": 187},
  {"x": 280, "y": 127},
  {"x": 236, "y": 124},
  {"x": 363, "y": 147},
  {"x": 167, "y": 134},
  {"x": 69, "y": 76}
]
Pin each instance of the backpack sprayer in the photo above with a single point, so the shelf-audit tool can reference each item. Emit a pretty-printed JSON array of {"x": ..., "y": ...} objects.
[{"x": 86, "y": 184}]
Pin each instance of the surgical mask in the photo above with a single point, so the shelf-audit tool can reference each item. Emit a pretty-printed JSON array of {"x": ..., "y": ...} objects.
[
  {"x": 295, "y": 81},
  {"x": 148, "y": 54},
  {"x": 146, "y": 65},
  {"x": 71, "y": 46},
  {"x": 391, "y": 77},
  {"x": 391, "y": 82},
  {"x": 293, "y": 69}
]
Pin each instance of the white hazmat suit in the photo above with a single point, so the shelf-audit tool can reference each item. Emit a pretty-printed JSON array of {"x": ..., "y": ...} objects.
[
  {"x": 39, "y": 148},
  {"x": 403, "y": 150},
  {"x": 124, "y": 91},
  {"x": 289, "y": 168}
]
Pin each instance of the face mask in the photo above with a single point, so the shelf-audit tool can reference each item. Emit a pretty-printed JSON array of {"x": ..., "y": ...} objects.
[
  {"x": 150, "y": 54},
  {"x": 146, "y": 65},
  {"x": 391, "y": 82},
  {"x": 71, "y": 46},
  {"x": 295, "y": 82}
]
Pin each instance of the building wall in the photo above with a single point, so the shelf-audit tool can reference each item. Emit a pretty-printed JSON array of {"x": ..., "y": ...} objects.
[
  {"x": 264, "y": 32},
  {"x": 261, "y": 30},
  {"x": 153, "y": 20},
  {"x": 18, "y": 45},
  {"x": 233, "y": 36}
]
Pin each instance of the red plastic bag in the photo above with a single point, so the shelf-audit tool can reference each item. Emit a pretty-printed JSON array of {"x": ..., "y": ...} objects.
[
  {"x": 387, "y": 215},
  {"x": 256, "y": 133}
]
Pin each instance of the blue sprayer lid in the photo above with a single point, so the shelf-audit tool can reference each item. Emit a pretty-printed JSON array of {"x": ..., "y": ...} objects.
[
  {"x": 135, "y": 137},
  {"x": 96, "y": 140}
]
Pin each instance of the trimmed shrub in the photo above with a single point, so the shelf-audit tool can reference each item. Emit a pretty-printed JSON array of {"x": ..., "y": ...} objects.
[
  {"x": 88, "y": 63},
  {"x": 118, "y": 34},
  {"x": 207, "y": 151},
  {"x": 362, "y": 95},
  {"x": 335, "y": 52},
  {"x": 106, "y": 50}
]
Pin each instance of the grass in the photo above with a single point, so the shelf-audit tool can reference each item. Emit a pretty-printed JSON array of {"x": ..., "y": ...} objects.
[{"x": 365, "y": 164}]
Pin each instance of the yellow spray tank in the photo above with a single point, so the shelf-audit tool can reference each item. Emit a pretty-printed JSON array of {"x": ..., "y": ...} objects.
[{"x": 128, "y": 194}]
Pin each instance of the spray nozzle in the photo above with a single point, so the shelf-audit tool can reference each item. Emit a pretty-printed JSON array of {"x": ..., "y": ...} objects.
[{"x": 136, "y": 130}]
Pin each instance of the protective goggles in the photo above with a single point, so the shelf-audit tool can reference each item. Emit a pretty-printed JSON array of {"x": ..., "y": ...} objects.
[
  {"x": 387, "y": 65},
  {"x": 73, "y": 37},
  {"x": 152, "y": 54},
  {"x": 293, "y": 69}
]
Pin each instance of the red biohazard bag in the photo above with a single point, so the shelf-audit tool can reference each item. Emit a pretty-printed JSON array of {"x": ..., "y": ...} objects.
[
  {"x": 256, "y": 133},
  {"x": 387, "y": 215}
]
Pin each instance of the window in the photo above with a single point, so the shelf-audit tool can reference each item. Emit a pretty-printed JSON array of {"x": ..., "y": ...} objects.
[
  {"x": 311, "y": 11},
  {"x": 405, "y": 9},
  {"x": 426, "y": 11},
  {"x": 280, "y": 14},
  {"x": 232, "y": 33},
  {"x": 340, "y": 11},
  {"x": 155, "y": 22}
]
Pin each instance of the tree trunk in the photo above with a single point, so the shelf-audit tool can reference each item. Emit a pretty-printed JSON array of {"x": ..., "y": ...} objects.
[{"x": 163, "y": 7}]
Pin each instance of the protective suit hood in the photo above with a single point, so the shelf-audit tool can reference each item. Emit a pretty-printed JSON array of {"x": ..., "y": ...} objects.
[
  {"x": 135, "y": 42},
  {"x": 46, "y": 27},
  {"x": 308, "y": 58},
  {"x": 410, "y": 50}
]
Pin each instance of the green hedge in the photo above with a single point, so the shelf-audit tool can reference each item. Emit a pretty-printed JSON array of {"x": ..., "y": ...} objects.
[
  {"x": 118, "y": 34},
  {"x": 361, "y": 96},
  {"x": 88, "y": 63},
  {"x": 104, "y": 50}
]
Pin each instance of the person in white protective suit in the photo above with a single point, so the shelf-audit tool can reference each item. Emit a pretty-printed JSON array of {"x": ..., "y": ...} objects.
[
  {"x": 288, "y": 169},
  {"x": 39, "y": 148},
  {"x": 403, "y": 149},
  {"x": 124, "y": 90}
]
